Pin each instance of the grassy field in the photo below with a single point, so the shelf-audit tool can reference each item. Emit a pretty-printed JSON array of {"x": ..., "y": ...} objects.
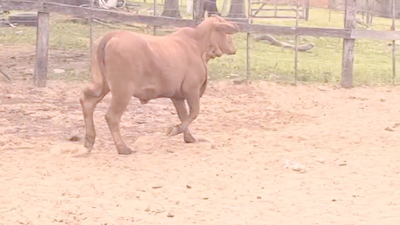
[{"x": 373, "y": 62}]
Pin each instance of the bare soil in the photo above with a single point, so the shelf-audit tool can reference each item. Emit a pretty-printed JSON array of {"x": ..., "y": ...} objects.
[
  {"x": 280, "y": 155},
  {"x": 18, "y": 62}
]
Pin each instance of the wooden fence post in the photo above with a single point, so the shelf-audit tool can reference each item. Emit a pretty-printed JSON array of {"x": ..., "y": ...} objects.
[
  {"x": 155, "y": 14},
  {"x": 91, "y": 35},
  {"x": 42, "y": 45},
  {"x": 296, "y": 49},
  {"x": 348, "y": 45},
  {"x": 248, "y": 46},
  {"x": 394, "y": 43},
  {"x": 306, "y": 9}
]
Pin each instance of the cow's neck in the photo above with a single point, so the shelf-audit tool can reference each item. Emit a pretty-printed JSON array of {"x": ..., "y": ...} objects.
[{"x": 202, "y": 35}]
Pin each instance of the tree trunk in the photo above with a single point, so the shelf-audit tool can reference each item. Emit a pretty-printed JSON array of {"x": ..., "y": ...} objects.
[
  {"x": 171, "y": 9},
  {"x": 198, "y": 10},
  {"x": 237, "y": 9},
  {"x": 201, "y": 6},
  {"x": 211, "y": 7}
]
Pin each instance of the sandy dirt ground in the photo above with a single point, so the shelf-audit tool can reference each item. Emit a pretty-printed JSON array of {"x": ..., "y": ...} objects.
[{"x": 280, "y": 155}]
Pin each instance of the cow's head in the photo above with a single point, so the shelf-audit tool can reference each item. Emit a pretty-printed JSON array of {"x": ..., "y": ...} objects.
[{"x": 220, "y": 41}]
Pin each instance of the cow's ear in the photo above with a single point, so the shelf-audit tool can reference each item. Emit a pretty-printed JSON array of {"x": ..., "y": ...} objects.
[{"x": 229, "y": 28}]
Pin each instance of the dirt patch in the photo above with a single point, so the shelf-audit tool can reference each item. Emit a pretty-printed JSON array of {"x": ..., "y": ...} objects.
[
  {"x": 18, "y": 61},
  {"x": 281, "y": 154}
]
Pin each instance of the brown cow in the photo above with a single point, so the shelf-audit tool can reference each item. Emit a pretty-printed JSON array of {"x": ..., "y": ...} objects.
[{"x": 149, "y": 67}]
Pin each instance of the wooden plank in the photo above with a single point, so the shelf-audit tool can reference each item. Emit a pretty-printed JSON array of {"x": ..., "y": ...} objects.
[
  {"x": 291, "y": 10},
  {"x": 348, "y": 45},
  {"x": 394, "y": 43},
  {"x": 42, "y": 45},
  {"x": 375, "y": 34},
  {"x": 20, "y": 5},
  {"x": 276, "y": 17},
  {"x": 303, "y": 31},
  {"x": 108, "y": 15},
  {"x": 323, "y": 32},
  {"x": 248, "y": 46}
]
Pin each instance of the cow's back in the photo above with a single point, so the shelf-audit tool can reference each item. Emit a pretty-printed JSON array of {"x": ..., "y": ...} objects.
[{"x": 152, "y": 66}]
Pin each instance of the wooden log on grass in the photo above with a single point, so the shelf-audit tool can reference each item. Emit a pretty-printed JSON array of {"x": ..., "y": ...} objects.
[{"x": 276, "y": 42}]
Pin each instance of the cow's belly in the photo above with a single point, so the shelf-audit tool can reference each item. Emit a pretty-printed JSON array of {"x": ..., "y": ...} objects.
[
  {"x": 156, "y": 85},
  {"x": 148, "y": 74}
]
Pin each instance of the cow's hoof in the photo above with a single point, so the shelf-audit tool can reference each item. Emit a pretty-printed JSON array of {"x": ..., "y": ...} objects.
[
  {"x": 189, "y": 139},
  {"x": 172, "y": 131},
  {"x": 88, "y": 148},
  {"x": 89, "y": 142},
  {"x": 123, "y": 150}
]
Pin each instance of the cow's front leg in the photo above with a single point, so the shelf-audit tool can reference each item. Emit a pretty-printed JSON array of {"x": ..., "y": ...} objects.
[
  {"x": 193, "y": 101},
  {"x": 183, "y": 115}
]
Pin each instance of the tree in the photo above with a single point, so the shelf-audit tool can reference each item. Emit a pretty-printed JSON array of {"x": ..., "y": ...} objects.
[
  {"x": 171, "y": 9},
  {"x": 237, "y": 9},
  {"x": 208, "y": 5},
  {"x": 211, "y": 7}
]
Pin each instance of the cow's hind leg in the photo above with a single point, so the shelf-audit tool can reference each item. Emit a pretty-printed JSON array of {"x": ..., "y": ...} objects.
[
  {"x": 119, "y": 102},
  {"x": 193, "y": 100},
  {"x": 89, "y": 99},
  {"x": 183, "y": 115}
]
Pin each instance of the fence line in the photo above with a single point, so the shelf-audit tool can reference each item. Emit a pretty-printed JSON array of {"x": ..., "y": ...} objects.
[
  {"x": 394, "y": 43},
  {"x": 117, "y": 16},
  {"x": 349, "y": 33},
  {"x": 248, "y": 47}
]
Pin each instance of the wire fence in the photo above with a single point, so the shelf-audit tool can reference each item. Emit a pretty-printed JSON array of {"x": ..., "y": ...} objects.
[{"x": 274, "y": 58}]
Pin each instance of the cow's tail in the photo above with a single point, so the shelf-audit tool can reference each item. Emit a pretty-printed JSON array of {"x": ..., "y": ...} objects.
[
  {"x": 100, "y": 57},
  {"x": 99, "y": 86}
]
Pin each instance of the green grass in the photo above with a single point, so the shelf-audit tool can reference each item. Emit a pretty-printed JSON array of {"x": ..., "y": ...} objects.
[{"x": 373, "y": 62}]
